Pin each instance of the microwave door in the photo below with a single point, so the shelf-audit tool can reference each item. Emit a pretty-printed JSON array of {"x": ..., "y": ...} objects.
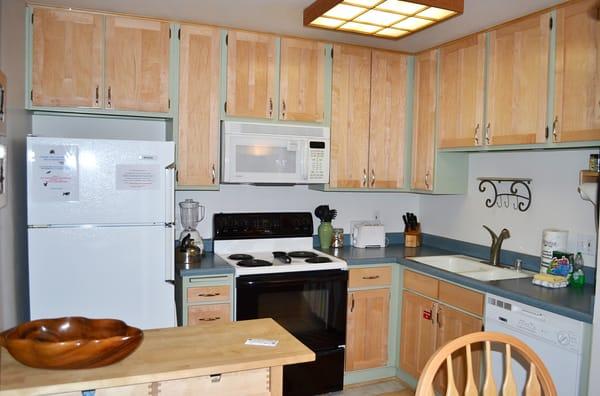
[{"x": 257, "y": 159}]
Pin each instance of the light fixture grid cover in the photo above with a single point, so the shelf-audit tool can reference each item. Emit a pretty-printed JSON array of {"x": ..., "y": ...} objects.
[{"x": 429, "y": 10}]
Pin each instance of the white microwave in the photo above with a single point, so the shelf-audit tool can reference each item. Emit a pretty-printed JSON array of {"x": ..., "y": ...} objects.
[{"x": 261, "y": 153}]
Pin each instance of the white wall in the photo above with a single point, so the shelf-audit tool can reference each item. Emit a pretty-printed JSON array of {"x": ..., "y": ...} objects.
[
  {"x": 350, "y": 206},
  {"x": 555, "y": 201},
  {"x": 13, "y": 235}
]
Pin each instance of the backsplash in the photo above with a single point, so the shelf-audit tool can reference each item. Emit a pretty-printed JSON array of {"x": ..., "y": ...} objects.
[{"x": 555, "y": 202}]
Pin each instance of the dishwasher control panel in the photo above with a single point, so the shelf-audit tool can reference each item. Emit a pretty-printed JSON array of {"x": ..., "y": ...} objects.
[{"x": 553, "y": 328}]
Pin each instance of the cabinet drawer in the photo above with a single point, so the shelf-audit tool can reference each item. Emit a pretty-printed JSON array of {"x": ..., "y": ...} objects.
[
  {"x": 460, "y": 297},
  {"x": 209, "y": 313},
  {"x": 253, "y": 382},
  {"x": 423, "y": 284},
  {"x": 372, "y": 276},
  {"x": 208, "y": 293}
]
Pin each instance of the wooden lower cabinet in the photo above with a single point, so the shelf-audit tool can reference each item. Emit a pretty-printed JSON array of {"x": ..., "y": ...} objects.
[
  {"x": 204, "y": 299},
  {"x": 418, "y": 331},
  {"x": 429, "y": 323},
  {"x": 367, "y": 329}
]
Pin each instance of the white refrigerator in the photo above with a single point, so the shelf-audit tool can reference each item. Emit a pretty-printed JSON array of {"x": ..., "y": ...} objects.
[{"x": 100, "y": 217}]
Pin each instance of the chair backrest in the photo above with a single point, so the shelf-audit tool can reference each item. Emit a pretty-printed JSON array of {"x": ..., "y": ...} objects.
[{"x": 538, "y": 379}]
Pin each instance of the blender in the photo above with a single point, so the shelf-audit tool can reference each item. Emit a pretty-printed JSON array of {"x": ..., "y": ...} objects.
[{"x": 191, "y": 214}]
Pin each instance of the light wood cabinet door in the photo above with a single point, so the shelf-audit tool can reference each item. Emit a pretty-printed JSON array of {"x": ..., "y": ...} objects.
[
  {"x": 250, "y": 74},
  {"x": 367, "y": 329},
  {"x": 301, "y": 81},
  {"x": 137, "y": 64},
  {"x": 517, "y": 82},
  {"x": 67, "y": 59},
  {"x": 423, "y": 155},
  {"x": 577, "y": 92},
  {"x": 451, "y": 325},
  {"x": 462, "y": 66},
  {"x": 388, "y": 119},
  {"x": 418, "y": 332},
  {"x": 198, "y": 142},
  {"x": 350, "y": 116}
]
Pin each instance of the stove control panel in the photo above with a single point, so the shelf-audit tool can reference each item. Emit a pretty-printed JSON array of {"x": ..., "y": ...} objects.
[{"x": 262, "y": 225}]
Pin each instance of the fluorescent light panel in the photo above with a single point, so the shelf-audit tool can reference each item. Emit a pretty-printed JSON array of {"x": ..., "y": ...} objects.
[{"x": 382, "y": 18}]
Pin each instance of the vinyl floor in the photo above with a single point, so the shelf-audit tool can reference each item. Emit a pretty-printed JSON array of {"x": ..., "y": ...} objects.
[{"x": 388, "y": 387}]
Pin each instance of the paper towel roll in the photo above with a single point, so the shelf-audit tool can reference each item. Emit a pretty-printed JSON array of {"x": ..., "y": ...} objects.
[
  {"x": 552, "y": 240},
  {"x": 589, "y": 192}
]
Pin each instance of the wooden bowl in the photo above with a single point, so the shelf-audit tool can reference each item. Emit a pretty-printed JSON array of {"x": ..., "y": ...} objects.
[{"x": 71, "y": 343}]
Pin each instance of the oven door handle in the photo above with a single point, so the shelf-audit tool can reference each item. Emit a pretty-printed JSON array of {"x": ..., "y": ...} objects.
[{"x": 278, "y": 282}]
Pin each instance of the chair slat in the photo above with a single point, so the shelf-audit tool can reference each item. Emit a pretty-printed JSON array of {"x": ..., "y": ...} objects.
[
  {"x": 470, "y": 387},
  {"x": 509, "y": 388},
  {"x": 451, "y": 389},
  {"x": 533, "y": 388},
  {"x": 489, "y": 386}
]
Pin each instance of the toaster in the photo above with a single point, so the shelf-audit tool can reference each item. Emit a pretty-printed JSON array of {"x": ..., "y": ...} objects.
[{"x": 368, "y": 234}]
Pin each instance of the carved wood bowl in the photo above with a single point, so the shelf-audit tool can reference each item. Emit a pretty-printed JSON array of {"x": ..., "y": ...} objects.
[{"x": 71, "y": 343}]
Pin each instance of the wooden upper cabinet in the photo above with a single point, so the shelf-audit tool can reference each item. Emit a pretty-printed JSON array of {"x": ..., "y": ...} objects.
[
  {"x": 301, "y": 82},
  {"x": 577, "y": 93},
  {"x": 67, "y": 58},
  {"x": 462, "y": 66},
  {"x": 388, "y": 119},
  {"x": 250, "y": 74},
  {"x": 517, "y": 82},
  {"x": 198, "y": 142},
  {"x": 423, "y": 155},
  {"x": 350, "y": 116},
  {"x": 367, "y": 334},
  {"x": 137, "y": 64}
]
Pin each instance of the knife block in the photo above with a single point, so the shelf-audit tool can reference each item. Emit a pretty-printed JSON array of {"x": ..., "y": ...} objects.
[{"x": 412, "y": 238}]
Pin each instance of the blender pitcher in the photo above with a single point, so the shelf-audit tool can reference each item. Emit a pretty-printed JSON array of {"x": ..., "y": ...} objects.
[{"x": 191, "y": 214}]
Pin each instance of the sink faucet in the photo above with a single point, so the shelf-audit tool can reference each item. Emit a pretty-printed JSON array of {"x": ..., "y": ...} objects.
[{"x": 496, "y": 244}]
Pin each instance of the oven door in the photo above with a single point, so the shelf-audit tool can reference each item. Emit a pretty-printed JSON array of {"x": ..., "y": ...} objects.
[
  {"x": 310, "y": 305},
  {"x": 264, "y": 159}
]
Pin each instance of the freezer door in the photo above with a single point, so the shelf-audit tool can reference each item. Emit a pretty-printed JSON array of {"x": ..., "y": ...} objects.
[
  {"x": 102, "y": 272},
  {"x": 83, "y": 181}
]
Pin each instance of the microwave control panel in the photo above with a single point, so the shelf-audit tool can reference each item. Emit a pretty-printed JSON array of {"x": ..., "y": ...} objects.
[{"x": 318, "y": 161}]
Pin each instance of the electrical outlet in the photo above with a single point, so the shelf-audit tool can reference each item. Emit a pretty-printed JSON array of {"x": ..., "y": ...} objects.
[{"x": 586, "y": 244}]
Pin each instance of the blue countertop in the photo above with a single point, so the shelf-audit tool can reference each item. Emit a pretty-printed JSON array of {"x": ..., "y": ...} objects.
[
  {"x": 210, "y": 264},
  {"x": 577, "y": 304}
]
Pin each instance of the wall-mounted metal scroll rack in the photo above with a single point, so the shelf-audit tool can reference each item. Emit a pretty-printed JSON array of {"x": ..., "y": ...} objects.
[{"x": 507, "y": 192}]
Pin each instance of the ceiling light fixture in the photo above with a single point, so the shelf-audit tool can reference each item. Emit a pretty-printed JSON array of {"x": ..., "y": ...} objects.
[{"x": 390, "y": 19}]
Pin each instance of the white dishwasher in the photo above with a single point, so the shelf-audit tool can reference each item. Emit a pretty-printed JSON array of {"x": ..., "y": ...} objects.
[{"x": 559, "y": 341}]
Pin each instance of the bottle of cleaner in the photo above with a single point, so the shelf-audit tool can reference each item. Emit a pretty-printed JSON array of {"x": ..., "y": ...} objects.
[{"x": 578, "y": 277}]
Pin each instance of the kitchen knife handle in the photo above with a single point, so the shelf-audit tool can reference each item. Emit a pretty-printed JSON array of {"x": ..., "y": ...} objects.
[
  {"x": 364, "y": 179},
  {"x": 372, "y": 177},
  {"x": 477, "y": 135},
  {"x": 209, "y": 294}
]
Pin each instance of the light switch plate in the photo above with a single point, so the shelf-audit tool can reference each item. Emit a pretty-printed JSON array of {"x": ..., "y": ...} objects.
[{"x": 586, "y": 244}]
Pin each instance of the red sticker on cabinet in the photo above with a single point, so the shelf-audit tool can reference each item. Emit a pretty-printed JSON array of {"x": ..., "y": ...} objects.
[{"x": 427, "y": 315}]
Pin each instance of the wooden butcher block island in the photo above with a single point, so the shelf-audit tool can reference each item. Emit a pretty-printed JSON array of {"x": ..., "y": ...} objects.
[{"x": 209, "y": 359}]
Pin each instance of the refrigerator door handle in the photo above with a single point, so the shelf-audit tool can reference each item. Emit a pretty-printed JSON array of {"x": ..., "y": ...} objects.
[
  {"x": 170, "y": 194},
  {"x": 169, "y": 253}
]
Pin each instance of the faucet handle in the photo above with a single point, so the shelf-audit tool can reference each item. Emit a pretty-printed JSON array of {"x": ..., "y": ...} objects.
[{"x": 518, "y": 265}]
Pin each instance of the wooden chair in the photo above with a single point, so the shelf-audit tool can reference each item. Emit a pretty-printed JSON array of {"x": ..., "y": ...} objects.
[{"x": 538, "y": 380}]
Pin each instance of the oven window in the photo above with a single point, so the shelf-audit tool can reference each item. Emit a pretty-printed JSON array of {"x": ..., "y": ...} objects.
[
  {"x": 312, "y": 309},
  {"x": 265, "y": 159}
]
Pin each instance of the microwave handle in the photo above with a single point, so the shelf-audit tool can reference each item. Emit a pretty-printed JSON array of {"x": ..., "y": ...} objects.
[{"x": 304, "y": 163}]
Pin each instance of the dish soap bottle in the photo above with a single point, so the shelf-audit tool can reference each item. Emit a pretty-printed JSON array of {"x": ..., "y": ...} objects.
[{"x": 578, "y": 277}]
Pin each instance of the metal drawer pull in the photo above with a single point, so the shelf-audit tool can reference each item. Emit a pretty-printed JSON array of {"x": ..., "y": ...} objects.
[
  {"x": 554, "y": 131},
  {"x": 427, "y": 180},
  {"x": 487, "y": 133},
  {"x": 371, "y": 277},
  {"x": 209, "y": 319},
  {"x": 372, "y": 177},
  {"x": 214, "y": 174},
  {"x": 270, "y": 108},
  {"x": 364, "y": 180},
  {"x": 477, "y": 135},
  {"x": 109, "y": 97},
  {"x": 209, "y": 294},
  {"x": 97, "y": 94},
  {"x": 283, "y": 109},
  {"x": 352, "y": 307},
  {"x": 214, "y": 378}
]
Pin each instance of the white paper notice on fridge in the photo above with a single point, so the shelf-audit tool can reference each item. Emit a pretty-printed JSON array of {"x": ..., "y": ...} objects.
[
  {"x": 138, "y": 177},
  {"x": 56, "y": 173}
]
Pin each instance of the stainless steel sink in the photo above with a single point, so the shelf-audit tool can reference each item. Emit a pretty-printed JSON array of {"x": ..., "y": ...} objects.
[{"x": 471, "y": 268}]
